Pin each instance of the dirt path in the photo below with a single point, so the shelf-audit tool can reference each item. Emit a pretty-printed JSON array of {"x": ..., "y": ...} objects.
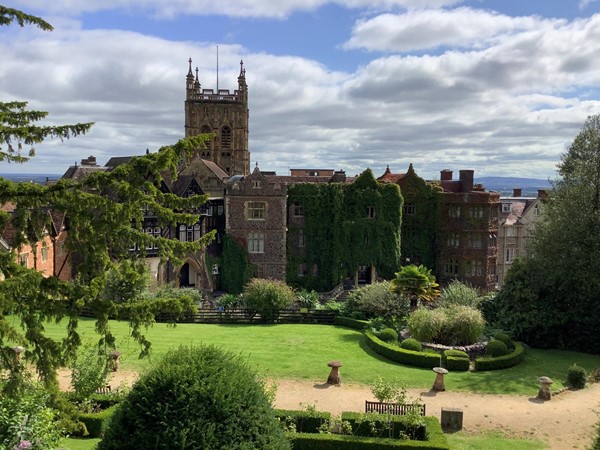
[{"x": 565, "y": 422}]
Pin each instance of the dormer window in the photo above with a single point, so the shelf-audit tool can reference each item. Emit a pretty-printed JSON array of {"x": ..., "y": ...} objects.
[
  {"x": 505, "y": 207},
  {"x": 256, "y": 184}
]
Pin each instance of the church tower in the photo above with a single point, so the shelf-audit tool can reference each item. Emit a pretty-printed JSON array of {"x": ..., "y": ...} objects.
[{"x": 224, "y": 114}]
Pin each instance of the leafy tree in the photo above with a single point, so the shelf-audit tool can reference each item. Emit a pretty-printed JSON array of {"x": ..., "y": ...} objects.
[
  {"x": 416, "y": 283},
  {"x": 267, "y": 297},
  {"x": 551, "y": 298}
]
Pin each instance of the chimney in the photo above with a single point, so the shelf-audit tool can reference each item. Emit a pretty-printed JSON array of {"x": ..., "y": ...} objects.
[
  {"x": 446, "y": 175},
  {"x": 517, "y": 192},
  {"x": 542, "y": 194},
  {"x": 89, "y": 161},
  {"x": 339, "y": 176},
  {"x": 466, "y": 178}
]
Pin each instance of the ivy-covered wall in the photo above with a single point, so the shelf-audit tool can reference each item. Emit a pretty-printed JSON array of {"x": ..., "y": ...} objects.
[
  {"x": 419, "y": 221},
  {"x": 344, "y": 226},
  {"x": 236, "y": 269}
]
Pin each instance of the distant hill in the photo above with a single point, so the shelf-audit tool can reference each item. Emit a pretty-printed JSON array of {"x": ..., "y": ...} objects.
[
  {"x": 505, "y": 185},
  {"x": 34, "y": 177}
]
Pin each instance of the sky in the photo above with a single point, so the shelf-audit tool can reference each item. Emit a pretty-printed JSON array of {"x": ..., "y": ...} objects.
[{"x": 498, "y": 86}]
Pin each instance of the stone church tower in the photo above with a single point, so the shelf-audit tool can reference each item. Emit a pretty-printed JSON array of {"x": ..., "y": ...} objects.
[{"x": 224, "y": 114}]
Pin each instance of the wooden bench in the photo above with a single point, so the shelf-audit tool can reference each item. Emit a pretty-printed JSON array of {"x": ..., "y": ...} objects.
[
  {"x": 393, "y": 408},
  {"x": 104, "y": 390}
]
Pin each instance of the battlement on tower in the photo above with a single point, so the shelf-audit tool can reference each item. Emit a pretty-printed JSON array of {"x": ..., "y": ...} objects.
[{"x": 222, "y": 95}]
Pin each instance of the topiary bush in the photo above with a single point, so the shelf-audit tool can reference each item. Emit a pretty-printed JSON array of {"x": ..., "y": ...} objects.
[
  {"x": 195, "y": 397},
  {"x": 576, "y": 377},
  {"x": 456, "y": 353},
  {"x": 411, "y": 344},
  {"x": 388, "y": 335},
  {"x": 496, "y": 348}
]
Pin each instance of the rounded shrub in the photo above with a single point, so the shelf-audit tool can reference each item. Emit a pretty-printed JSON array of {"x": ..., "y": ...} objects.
[
  {"x": 456, "y": 353},
  {"x": 503, "y": 337},
  {"x": 195, "y": 397},
  {"x": 411, "y": 344},
  {"x": 267, "y": 298},
  {"x": 496, "y": 348},
  {"x": 388, "y": 335},
  {"x": 576, "y": 377}
]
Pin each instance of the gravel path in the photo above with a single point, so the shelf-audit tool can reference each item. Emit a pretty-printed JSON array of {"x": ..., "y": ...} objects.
[{"x": 565, "y": 422}]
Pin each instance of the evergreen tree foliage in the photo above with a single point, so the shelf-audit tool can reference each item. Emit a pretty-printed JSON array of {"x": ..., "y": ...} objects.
[
  {"x": 17, "y": 123},
  {"x": 105, "y": 213},
  {"x": 196, "y": 398},
  {"x": 550, "y": 299}
]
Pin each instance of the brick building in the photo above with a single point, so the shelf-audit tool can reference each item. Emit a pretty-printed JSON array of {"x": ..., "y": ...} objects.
[{"x": 450, "y": 226}]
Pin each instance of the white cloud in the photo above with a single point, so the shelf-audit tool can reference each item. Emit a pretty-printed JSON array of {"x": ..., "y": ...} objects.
[
  {"x": 509, "y": 108},
  {"x": 429, "y": 29},
  {"x": 232, "y": 8}
]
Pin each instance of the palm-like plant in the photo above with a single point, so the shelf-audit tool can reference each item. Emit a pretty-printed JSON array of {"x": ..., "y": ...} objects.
[{"x": 416, "y": 283}]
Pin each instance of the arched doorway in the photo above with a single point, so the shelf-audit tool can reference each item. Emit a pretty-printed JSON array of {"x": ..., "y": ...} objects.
[{"x": 187, "y": 276}]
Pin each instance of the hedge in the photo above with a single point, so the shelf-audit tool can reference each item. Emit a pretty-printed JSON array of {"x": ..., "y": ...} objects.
[
  {"x": 96, "y": 423},
  {"x": 305, "y": 441},
  {"x": 355, "y": 324},
  {"x": 361, "y": 425},
  {"x": 501, "y": 362},
  {"x": 304, "y": 421},
  {"x": 455, "y": 364},
  {"x": 403, "y": 356}
]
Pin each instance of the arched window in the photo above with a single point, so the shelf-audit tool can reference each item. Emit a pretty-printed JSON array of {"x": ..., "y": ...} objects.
[{"x": 225, "y": 137}]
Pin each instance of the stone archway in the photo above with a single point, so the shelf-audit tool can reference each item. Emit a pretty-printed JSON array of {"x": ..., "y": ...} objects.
[{"x": 188, "y": 275}]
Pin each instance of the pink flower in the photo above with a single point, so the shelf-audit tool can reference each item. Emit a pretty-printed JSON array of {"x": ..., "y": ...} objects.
[{"x": 23, "y": 445}]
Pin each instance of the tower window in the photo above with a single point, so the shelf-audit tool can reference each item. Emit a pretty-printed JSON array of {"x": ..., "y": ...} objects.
[{"x": 226, "y": 137}]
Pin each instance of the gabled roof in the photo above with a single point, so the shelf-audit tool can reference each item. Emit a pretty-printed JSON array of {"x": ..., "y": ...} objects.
[
  {"x": 117, "y": 161},
  {"x": 389, "y": 177},
  {"x": 81, "y": 172}
]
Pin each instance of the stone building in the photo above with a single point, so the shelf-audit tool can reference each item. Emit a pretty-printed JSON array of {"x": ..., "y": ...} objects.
[
  {"x": 256, "y": 218},
  {"x": 223, "y": 113},
  {"x": 518, "y": 215}
]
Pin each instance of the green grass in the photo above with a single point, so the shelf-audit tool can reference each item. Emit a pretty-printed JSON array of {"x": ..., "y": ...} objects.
[
  {"x": 457, "y": 441},
  {"x": 491, "y": 440},
  {"x": 79, "y": 444},
  {"x": 302, "y": 352}
]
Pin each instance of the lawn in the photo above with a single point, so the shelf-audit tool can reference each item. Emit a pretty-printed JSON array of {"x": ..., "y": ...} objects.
[{"x": 302, "y": 351}]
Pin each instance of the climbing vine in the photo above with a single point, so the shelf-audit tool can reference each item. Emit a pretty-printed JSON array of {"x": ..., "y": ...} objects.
[
  {"x": 419, "y": 223},
  {"x": 346, "y": 226},
  {"x": 236, "y": 269}
]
